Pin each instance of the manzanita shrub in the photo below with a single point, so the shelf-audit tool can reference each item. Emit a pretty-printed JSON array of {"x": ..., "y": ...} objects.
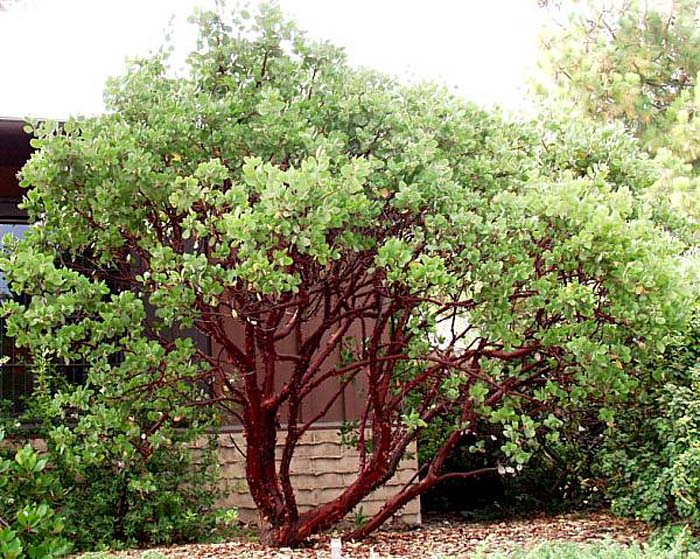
[
  {"x": 328, "y": 230},
  {"x": 563, "y": 472}
]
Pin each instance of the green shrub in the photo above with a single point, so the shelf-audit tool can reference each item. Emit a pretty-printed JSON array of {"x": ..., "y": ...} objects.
[
  {"x": 655, "y": 476},
  {"x": 122, "y": 473},
  {"x": 29, "y": 524},
  {"x": 120, "y": 503},
  {"x": 651, "y": 457}
]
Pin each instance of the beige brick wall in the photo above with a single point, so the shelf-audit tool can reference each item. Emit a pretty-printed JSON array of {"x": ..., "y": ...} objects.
[{"x": 321, "y": 468}]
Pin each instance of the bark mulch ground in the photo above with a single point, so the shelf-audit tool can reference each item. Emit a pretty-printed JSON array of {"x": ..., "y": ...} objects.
[{"x": 437, "y": 538}]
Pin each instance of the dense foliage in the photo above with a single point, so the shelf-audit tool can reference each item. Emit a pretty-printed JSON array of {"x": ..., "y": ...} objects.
[
  {"x": 118, "y": 501},
  {"x": 636, "y": 62},
  {"x": 111, "y": 474},
  {"x": 29, "y": 524},
  {"x": 328, "y": 230},
  {"x": 650, "y": 461}
]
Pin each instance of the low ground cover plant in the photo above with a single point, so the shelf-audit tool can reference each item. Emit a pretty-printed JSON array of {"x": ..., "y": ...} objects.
[{"x": 609, "y": 550}]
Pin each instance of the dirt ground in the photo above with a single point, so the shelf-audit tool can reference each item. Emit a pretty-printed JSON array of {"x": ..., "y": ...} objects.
[{"x": 438, "y": 537}]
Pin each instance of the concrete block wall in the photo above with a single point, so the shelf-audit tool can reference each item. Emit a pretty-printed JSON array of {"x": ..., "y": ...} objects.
[{"x": 321, "y": 468}]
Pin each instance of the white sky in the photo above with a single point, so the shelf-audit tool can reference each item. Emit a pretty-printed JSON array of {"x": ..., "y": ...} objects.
[{"x": 56, "y": 54}]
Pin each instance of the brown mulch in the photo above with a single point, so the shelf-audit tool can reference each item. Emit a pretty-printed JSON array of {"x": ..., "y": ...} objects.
[{"x": 438, "y": 537}]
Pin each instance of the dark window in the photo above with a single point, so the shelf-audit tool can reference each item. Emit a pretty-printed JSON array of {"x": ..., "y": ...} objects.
[
  {"x": 16, "y": 382},
  {"x": 17, "y": 230},
  {"x": 15, "y": 375}
]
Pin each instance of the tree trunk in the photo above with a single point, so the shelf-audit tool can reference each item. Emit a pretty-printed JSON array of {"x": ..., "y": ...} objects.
[
  {"x": 261, "y": 472},
  {"x": 288, "y": 529}
]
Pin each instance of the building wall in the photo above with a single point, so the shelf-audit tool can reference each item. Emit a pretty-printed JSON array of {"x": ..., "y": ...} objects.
[
  {"x": 321, "y": 468},
  {"x": 347, "y": 407}
]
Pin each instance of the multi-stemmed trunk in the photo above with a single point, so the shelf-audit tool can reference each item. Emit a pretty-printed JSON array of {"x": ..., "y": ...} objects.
[{"x": 283, "y": 523}]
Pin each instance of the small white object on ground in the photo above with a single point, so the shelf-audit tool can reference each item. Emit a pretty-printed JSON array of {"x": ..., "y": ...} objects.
[{"x": 336, "y": 549}]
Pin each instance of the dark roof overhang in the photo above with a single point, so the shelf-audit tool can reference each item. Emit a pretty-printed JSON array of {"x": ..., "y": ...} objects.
[
  {"x": 14, "y": 143},
  {"x": 15, "y": 150}
]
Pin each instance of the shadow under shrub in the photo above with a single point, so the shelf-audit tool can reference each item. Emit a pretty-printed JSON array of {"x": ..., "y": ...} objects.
[
  {"x": 641, "y": 456},
  {"x": 555, "y": 476}
]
